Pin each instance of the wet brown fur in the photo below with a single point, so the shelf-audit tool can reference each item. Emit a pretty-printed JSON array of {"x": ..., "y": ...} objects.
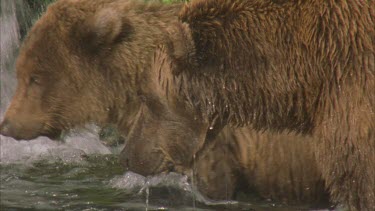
[
  {"x": 280, "y": 167},
  {"x": 304, "y": 66}
]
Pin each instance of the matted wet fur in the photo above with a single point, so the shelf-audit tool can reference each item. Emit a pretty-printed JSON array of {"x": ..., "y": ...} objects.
[
  {"x": 280, "y": 167},
  {"x": 234, "y": 158},
  {"x": 304, "y": 66}
]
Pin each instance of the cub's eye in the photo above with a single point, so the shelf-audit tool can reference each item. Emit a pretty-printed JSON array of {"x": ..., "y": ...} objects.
[{"x": 34, "y": 80}]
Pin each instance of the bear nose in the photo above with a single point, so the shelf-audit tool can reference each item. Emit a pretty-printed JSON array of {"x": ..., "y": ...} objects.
[{"x": 5, "y": 128}]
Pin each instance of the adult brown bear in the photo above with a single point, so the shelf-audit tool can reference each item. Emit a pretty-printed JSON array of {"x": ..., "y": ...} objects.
[
  {"x": 81, "y": 53},
  {"x": 304, "y": 66},
  {"x": 82, "y": 62}
]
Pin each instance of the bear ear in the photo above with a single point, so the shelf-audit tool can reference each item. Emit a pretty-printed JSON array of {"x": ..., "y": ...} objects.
[
  {"x": 104, "y": 28},
  {"x": 182, "y": 47}
]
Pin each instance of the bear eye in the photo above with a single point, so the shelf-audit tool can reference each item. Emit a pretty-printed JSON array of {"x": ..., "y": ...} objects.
[{"x": 34, "y": 80}]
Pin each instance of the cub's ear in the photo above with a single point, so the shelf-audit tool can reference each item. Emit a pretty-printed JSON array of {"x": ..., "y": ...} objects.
[{"x": 103, "y": 29}]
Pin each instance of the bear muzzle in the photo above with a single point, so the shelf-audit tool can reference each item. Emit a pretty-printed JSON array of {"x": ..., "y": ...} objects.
[
  {"x": 7, "y": 128},
  {"x": 19, "y": 132}
]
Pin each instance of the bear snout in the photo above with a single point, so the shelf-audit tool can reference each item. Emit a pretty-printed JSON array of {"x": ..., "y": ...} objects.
[
  {"x": 9, "y": 129},
  {"x": 18, "y": 131}
]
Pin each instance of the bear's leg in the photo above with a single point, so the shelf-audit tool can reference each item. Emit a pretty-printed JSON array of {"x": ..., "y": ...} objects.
[{"x": 346, "y": 156}]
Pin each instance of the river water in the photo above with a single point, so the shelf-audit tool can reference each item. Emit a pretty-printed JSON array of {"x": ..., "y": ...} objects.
[{"x": 81, "y": 173}]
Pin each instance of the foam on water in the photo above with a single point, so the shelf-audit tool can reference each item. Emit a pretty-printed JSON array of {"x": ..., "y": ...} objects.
[
  {"x": 136, "y": 183},
  {"x": 74, "y": 146}
]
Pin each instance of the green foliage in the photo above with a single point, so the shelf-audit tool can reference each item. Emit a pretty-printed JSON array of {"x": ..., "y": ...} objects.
[{"x": 38, "y": 6}]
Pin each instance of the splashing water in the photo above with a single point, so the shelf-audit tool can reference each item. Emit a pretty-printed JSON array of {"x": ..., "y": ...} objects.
[{"x": 167, "y": 185}]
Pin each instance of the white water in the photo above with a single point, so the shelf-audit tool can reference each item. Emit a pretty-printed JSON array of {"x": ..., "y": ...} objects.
[
  {"x": 72, "y": 149},
  {"x": 136, "y": 183}
]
